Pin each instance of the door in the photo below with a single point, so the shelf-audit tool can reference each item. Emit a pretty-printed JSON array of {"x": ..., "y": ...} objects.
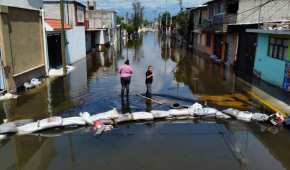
[
  {"x": 218, "y": 46},
  {"x": 54, "y": 50},
  {"x": 246, "y": 53}
]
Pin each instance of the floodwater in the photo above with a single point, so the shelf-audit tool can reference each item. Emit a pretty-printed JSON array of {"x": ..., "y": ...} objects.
[{"x": 180, "y": 76}]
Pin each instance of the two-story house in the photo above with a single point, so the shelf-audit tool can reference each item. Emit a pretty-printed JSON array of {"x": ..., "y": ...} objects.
[
  {"x": 74, "y": 15},
  {"x": 21, "y": 43},
  {"x": 101, "y": 28}
]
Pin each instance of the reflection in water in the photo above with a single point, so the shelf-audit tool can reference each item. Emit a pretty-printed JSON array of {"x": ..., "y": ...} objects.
[{"x": 180, "y": 76}]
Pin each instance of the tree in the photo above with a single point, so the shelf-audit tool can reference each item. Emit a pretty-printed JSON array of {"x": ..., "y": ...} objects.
[
  {"x": 182, "y": 21},
  {"x": 138, "y": 13},
  {"x": 165, "y": 20}
]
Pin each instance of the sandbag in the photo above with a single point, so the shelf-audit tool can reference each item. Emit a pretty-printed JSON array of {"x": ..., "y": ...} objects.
[
  {"x": 220, "y": 115},
  {"x": 160, "y": 114},
  {"x": 195, "y": 107},
  {"x": 2, "y": 137},
  {"x": 232, "y": 112},
  {"x": 260, "y": 117},
  {"x": 40, "y": 125},
  {"x": 245, "y": 116},
  {"x": 73, "y": 121},
  {"x": 11, "y": 127},
  {"x": 179, "y": 112},
  {"x": 112, "y": 114},
  {"x": 207, "y": 111},
  {"x": 86, "y": 117},
  {"x": 142, "y": 116},
  {"x": 124, "y": 118}
]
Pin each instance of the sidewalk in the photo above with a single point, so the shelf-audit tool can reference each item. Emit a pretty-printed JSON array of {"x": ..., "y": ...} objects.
[{"x": 274, "y": 98}]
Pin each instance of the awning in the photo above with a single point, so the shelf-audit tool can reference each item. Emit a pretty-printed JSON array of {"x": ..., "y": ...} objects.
[{"x": 54, "y": 25}]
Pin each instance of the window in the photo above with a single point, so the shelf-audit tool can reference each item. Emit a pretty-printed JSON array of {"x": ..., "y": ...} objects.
[
  {"x": 278, "y": 48},
  {"x": 208, "y": 39}
]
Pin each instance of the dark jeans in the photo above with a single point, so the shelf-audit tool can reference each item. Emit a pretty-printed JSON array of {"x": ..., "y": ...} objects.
[
  {"x": 149, "y": 88},
  {"x": 125, "y": 82}
]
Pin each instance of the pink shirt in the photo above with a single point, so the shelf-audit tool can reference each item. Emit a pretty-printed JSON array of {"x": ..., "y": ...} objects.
[{"x": 125, "y": 71}]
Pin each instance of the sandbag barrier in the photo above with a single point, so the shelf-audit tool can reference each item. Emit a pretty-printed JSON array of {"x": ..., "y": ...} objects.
[{"x": 105, "y": 121}]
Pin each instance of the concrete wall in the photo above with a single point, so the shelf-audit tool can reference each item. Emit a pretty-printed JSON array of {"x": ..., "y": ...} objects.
[
  {"x": 271, "y": 70},
  {"x": 28, "y": 4},
  {"x": 77, "y": 44},
  {"x": 22, "y": 60},
  {"x": 101, "y": 19},
  {"x": 52, "y": 11},
  {"x": 273, "y": 11}
]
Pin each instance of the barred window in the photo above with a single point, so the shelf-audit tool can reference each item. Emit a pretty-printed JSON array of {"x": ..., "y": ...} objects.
[{"x": 278, "y": 48}]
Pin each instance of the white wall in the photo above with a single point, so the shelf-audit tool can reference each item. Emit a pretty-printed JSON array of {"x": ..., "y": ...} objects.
[
  {"x": 273, "y": 11},
  {"x": 27, "y": 4},
  {"x": 76, "y": 44}
]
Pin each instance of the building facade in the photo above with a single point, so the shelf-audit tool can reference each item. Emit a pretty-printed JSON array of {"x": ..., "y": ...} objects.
[
  {"x": 273, "y": 57},
  {"x": 74, "y": 15},
  {"x": 20, "y": 22}
]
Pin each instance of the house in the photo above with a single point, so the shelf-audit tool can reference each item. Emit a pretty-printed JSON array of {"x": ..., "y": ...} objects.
[
  {"x": 272, "y": 61},
  {"x": 74, "y": 15},
  {"x": 210, "y": 33},
  {"x": 252, "y": 15},
  {"x": 101, "y": 28},
  {"x": 21, "y": 22}
]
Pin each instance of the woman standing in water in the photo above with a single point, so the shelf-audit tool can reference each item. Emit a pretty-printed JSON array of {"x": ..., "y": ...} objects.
[{"x": 125, "y": 72}]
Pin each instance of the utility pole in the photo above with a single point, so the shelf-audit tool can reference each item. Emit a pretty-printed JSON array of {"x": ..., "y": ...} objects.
[{"x": 63, "y": 38}]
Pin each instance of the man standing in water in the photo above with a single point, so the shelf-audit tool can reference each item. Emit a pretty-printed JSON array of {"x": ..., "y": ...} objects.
[
  {"x": 125, "y": 72},
  {"x": 149, "y": 81}
]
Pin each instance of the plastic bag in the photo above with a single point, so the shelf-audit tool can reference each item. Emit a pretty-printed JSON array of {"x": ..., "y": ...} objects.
[{"x": 142, "y": 116}]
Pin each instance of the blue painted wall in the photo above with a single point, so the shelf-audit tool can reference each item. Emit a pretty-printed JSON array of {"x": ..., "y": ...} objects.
[{"x": 272, "y": 70}]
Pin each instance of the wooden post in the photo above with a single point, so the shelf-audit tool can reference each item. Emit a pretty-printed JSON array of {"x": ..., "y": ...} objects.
[{"x": 63, "y": 38}]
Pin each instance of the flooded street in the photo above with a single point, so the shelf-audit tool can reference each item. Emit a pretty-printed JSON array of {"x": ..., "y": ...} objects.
[{"x": 180, "y": 76}]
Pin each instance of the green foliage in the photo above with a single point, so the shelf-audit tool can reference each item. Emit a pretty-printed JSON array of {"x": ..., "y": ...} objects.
[
  {"x": 165, "y": 19},
  {"x": 182, "y": 21}
]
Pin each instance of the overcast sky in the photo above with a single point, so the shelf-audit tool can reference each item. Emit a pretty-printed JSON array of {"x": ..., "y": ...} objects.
[{"x": 152, "y": 7}]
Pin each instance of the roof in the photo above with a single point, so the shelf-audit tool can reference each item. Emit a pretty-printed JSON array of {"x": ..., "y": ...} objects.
[
  {"x": 55, "y": 24},
  {"x": 81, "y": 2},
  {"x": 263, "y": 31}
]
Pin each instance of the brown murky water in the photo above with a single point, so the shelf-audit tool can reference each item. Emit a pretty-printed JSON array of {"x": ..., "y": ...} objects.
[{"x": 181, "y": 77}]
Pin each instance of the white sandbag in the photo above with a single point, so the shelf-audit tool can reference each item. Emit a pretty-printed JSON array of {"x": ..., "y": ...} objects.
[
  {"x": 159, "y": 114},
  {"x": 124, "y": 118},
  {"x": 11, "y": 127},
  {"x": 260, "y": 117},
  {"x": 220, "y": 115},
  {"x": 245, "y": 116},
  {"x": 35, "y": 82},
  {"x": 73, "y": 121},
  {"x": 232, "y": 112},
  {"x": 142, "y": 116},
  {"x": 86, "y": 117},
  {"x": 40, "y": 125},
  {"x": 8, "y": 128},
  {"x": 2, "y": 137},
  {"x": 194, "y": 107},
  {"x": 179, "y": 112},
  {"x": 112, "y": 114},
  {"x": 207, "y": 111},
  {"x": 8, "y": 96}
]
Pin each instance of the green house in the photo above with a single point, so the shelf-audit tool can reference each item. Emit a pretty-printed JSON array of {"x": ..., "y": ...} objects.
[{"x": 272, "y": 60}]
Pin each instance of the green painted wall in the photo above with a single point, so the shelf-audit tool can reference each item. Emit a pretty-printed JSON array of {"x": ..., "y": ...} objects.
[{"x": 271, "y": 70}]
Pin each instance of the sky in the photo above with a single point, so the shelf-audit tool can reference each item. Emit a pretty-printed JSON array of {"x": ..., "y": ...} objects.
[{"x": 152, "y": 7}]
